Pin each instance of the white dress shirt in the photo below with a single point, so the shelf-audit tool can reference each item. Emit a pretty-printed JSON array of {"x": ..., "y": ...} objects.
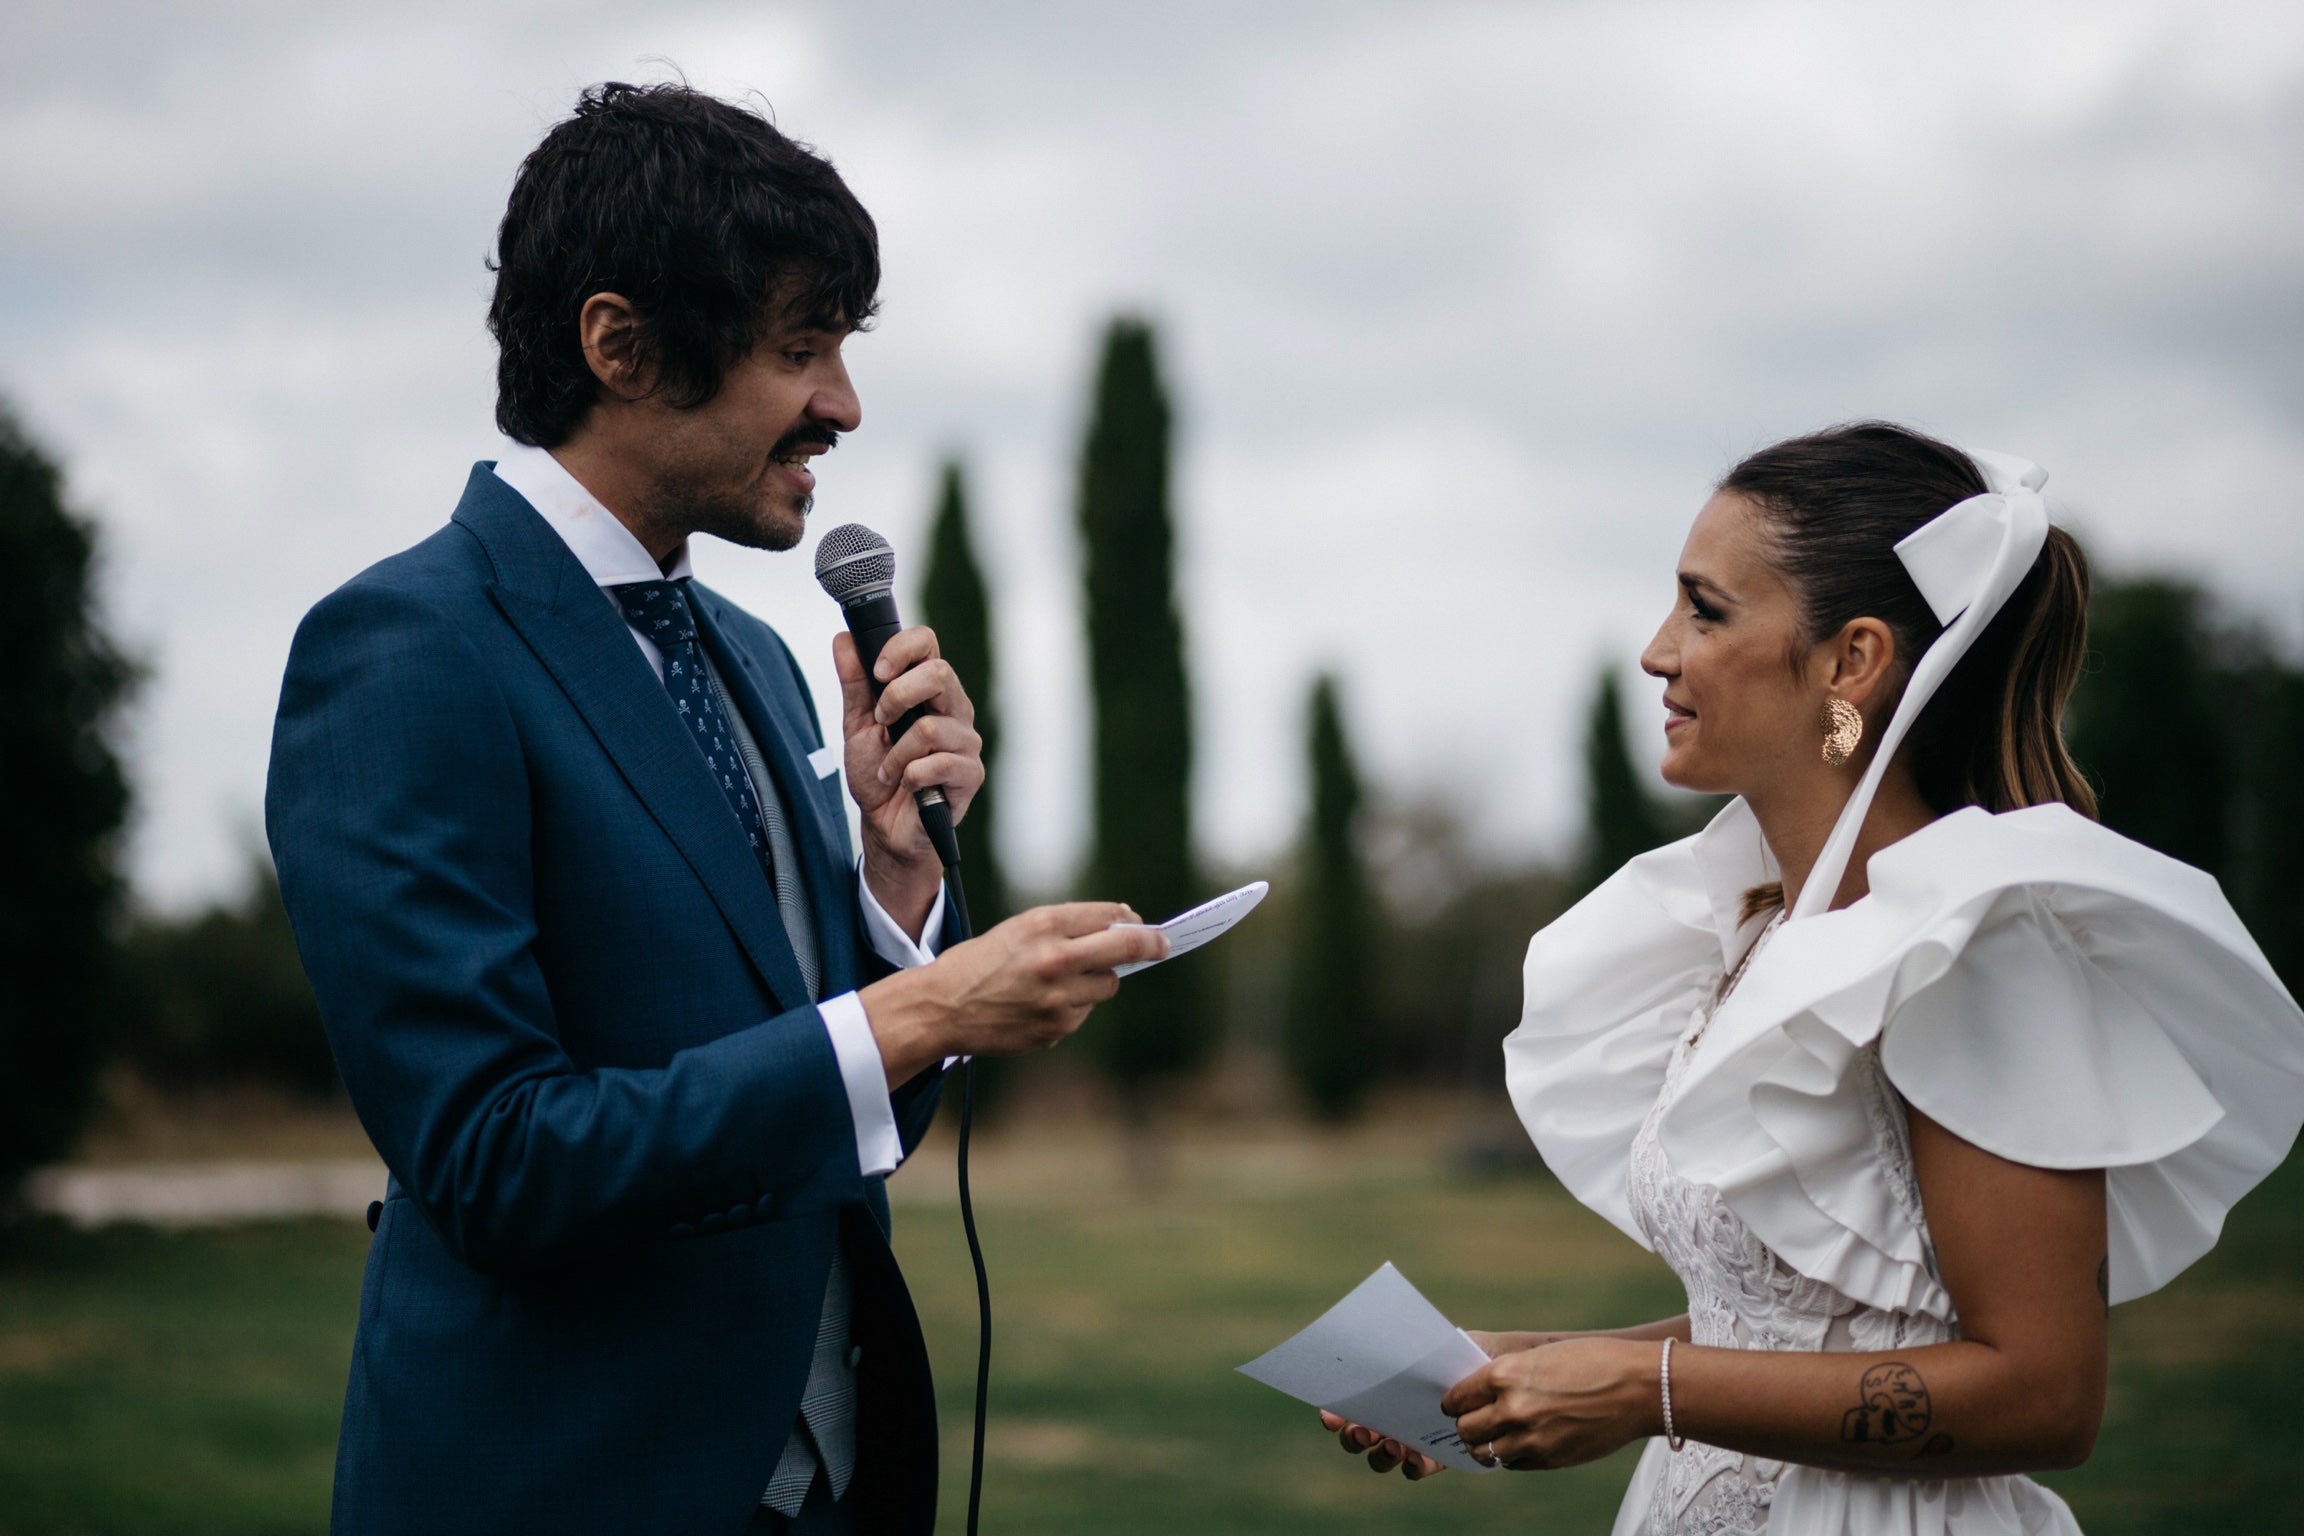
[{"x": 611, "y": 556}]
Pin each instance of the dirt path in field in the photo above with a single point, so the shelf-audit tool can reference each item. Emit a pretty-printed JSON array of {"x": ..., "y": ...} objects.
[{"x": 208, "y": 1194}]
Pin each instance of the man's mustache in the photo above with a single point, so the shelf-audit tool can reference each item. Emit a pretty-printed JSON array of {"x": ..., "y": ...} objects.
[{"x": 812, "y": 436}]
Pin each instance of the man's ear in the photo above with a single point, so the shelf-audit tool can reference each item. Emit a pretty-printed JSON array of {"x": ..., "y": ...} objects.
[
  {"x": 608, "y": 328},
  {"x": 1860, "y": 661}
]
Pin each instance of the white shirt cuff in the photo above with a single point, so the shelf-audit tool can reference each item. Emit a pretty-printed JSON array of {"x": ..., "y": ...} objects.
[
  {"x": 892, "y": 943},
  {"x": 878, "y": 1146}
]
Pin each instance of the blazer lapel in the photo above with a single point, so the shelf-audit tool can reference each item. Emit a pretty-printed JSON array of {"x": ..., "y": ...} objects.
[
  {"x": 576, "y": 632},
  {"x": 780, "y": 723}
]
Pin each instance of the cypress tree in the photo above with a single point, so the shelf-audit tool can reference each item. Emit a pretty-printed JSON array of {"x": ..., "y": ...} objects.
[
  {"x": 1621, "y": 818},
  {"x": 1331, "y": 1045},
  {"x": 1160, "y": 1025},
  {"x": 954, "y": 603},
  {"x": 63, "y": 800}
]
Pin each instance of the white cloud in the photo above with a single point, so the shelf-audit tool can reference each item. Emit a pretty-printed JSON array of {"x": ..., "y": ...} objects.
[{"x": 1464, "y": 305}]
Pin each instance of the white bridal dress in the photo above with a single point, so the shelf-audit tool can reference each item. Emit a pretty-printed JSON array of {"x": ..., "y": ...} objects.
[{"x": 2044, "y": 988}]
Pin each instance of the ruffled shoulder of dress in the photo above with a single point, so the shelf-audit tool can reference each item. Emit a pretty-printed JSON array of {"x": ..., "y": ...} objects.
[
  {"x": 2051, "y": 991},
  {"x": 1610, "y": 986}
]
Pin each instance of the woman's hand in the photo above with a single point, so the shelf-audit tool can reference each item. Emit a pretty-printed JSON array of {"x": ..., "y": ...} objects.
[
  {"x": 1383, "y": 1454},
  {"x": 1558, "y": 1405}
]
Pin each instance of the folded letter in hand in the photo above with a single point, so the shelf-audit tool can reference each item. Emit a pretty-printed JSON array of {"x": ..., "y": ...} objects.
[
  {"x": 1383, "y": 1357},
  {"x": 1189, "y": 930}
]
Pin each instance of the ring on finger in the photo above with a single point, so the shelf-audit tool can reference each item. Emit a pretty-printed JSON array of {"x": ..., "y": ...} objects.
[{"x": 1490, "y": 1458}]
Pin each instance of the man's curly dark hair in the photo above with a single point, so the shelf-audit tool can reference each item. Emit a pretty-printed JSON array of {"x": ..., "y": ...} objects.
[{"x": 714, "y": 224}]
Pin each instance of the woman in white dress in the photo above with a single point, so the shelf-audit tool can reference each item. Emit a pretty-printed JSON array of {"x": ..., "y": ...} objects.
[{"x": 1907, "y": 1067}]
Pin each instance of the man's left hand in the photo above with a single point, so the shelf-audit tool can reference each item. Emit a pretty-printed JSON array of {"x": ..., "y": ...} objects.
[{"x": 941, "y": 749}]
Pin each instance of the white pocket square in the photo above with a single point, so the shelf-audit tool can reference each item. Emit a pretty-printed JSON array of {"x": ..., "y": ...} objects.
[{"x": 825, "y": 760}]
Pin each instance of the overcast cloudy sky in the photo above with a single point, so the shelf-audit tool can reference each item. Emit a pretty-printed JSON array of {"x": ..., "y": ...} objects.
[{"x": 1464, "y": 306}]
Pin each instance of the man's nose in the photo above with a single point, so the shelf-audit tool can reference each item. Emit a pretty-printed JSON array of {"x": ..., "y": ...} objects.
[{"x": 834, "y": 403}]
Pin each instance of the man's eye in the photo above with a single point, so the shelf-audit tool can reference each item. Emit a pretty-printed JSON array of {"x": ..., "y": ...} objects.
[{"x": 799, "y": 359}]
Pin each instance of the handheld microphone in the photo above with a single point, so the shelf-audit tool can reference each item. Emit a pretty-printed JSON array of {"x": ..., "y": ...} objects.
[{"x": 857, "y": 569}]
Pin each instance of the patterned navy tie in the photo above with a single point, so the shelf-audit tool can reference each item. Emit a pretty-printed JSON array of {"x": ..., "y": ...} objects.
[{"x": 659, "y": 610}]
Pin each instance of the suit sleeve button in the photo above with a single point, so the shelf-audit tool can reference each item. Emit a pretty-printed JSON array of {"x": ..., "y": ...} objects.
[{"x": 712, "y": 1223}]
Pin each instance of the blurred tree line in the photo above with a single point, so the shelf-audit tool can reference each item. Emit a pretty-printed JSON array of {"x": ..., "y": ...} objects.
[
  {"x": 2192, "y": 728},
  {"x": 1389, "y": 951}
]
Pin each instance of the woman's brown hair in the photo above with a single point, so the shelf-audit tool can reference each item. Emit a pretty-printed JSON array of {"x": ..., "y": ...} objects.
[{"x": 1836, "y": 503}]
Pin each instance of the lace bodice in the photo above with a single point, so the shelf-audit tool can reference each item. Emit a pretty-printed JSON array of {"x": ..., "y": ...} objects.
[{"x": 1742, "y": 1296}]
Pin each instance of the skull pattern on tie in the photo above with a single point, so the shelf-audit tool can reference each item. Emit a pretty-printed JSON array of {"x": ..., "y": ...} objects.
[{"x": 659, "y": 610}]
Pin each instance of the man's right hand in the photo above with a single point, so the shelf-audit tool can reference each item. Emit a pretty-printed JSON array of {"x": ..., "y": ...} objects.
[{"x": 1019, "y": 987}]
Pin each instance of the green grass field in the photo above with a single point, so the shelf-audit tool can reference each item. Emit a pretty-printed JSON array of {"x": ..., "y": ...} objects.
[{"x": 154, "y": 1384}]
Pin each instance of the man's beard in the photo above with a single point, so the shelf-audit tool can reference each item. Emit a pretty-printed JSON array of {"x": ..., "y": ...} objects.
[{"x": 764, "y": 515}]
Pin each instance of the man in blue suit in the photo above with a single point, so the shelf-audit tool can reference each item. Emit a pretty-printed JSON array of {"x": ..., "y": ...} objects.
[{"x": 636, "y": 1032}]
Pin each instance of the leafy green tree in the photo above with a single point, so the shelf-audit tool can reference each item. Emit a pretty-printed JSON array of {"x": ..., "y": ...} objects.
[
  {"x": 1160, "y": 1025},
  {"x": 2192, "y": 733},
  {"x": 63, "y": 801},
  {"x": 2268, "y": 823},
  {"x": 2151, "y": 721},
  {"x": 1331, "y": 1039},
  {"x": 221, "y": 997},
  {"x": 954, "y": 603},
  {"x": 1621, "y": 819}
]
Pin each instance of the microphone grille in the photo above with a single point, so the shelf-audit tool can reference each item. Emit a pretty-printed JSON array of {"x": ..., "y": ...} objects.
[{"x": 854, "y": 562}]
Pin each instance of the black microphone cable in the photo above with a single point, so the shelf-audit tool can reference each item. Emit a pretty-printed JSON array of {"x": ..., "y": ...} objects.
[{"x": 959, "y": 903}]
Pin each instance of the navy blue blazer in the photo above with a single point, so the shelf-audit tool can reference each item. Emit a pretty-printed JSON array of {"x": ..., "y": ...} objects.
[{"x": 568, "y": 1015}]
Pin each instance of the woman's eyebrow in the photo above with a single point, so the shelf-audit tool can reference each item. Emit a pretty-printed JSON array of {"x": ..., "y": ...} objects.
[{"x": 1693, "y": 582}]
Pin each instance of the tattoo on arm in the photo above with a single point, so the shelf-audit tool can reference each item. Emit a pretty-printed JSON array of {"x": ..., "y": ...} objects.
[{"x": 1891, "y": 1408}]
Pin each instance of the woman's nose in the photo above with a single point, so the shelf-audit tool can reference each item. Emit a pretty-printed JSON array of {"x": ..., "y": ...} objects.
[{"x": 1658, "y": 660}]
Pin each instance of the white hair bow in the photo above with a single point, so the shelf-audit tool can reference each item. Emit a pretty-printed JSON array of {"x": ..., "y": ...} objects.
[{"x": 1966, "y": 563}]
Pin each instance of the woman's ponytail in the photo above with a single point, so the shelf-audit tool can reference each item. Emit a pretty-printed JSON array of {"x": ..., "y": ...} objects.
[
  {"x": 2034, "y": 765},
  {"x": 1994, "y": 735}
]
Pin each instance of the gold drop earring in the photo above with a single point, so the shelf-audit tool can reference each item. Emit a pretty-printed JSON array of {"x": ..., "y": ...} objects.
[{"x": 1843, "y": 729}]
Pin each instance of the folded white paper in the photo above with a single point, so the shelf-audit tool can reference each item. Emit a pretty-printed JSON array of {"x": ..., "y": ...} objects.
[
  {"x": 1187, "y": 931},
  {"x": 1383, "y": 1357}
]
